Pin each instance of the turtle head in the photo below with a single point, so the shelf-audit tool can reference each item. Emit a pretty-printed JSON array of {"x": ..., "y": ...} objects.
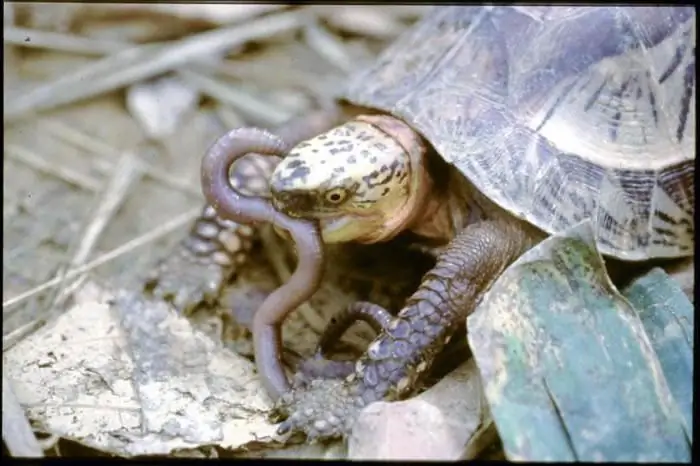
[{"x": 360, "y": 180}]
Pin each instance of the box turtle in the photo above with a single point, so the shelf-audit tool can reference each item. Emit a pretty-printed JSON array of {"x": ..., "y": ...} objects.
[{"x": 479, "y": 131}]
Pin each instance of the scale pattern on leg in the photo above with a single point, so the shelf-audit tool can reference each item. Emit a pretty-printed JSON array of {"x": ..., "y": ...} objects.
[
  {"x": 404, "y": 351},
  {"x": 214, "y": 248}
]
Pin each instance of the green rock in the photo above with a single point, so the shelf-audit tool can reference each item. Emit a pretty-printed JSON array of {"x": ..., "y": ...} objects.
[
  {"x": 567, "y": 367},
  {"x": 668, "y": 318}
]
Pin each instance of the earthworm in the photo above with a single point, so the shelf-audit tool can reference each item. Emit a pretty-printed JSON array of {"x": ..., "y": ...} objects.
[{"x": 247, "y": 209}]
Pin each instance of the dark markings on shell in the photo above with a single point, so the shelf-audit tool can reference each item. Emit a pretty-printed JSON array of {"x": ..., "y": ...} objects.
[
  {"x": 638, "y": 97},
  {"x": 352, "y": 159},
  {"x": 688, "y": 80},
  {"x": 637, "y": 186},
  {"x": 664, "y": 232},
  {"x": 615, "y": 123},
  {"x": 679, "y": 184},
  {"x": 339, "y": 170},
  {"x": 652, "y": 102},
  {"x": 669, "y": 242},
  {"x": 594, "y": 97},
  {"x": 429, "y": 85},
  {"x": 675, "y": 62},
  {"x": 664, "y": 217},
  {"x": 560, "y": 99},
  {"x": 345, "y": 130}
]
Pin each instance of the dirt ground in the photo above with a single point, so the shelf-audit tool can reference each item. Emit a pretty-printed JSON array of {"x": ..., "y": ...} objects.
[{"x": 108, "y": 109}]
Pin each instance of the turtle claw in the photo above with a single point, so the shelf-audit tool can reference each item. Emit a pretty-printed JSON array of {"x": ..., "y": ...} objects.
[
  {"x": 196, "y": 270},
  {"x": 323, "y": 409}
]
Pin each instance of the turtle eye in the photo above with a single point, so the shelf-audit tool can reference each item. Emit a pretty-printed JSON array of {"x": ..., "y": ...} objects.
[{"x": 336, "y": 195}]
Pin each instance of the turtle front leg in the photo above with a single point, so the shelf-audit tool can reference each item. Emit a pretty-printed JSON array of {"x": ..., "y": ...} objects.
[
  {"x": 402, "y": 354},
  {"x": 214, "y": 248}
]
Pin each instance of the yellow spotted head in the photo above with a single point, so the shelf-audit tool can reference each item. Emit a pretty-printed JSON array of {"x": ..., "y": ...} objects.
[{"x": 357, "y": 179}]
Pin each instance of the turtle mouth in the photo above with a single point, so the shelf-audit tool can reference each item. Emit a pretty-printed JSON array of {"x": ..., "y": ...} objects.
[
  {"x": 332, "y": 227},
  {"x": 336, "y": 227},
  {"x": 358, "y": 228}
]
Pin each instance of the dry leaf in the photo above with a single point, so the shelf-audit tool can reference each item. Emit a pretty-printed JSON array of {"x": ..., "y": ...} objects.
[{"x": 133, "y": 378}]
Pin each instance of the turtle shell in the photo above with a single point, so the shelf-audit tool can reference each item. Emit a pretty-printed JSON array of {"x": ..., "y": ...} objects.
[{"x": 557, "y": 114}]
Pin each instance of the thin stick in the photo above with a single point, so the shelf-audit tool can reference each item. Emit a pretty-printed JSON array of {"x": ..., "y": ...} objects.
[
  {"x": 113, "y": 254},
  {"x": 91, "y": 144},
  {"x": 145, "y": 61},
  {"x": 254, "y": 106},
  {"x": 40, "y": 164},
  {"x": 126, "y": 172},
  {"x": 62, "y": 42},
  {"x": 16, "y": 431}
]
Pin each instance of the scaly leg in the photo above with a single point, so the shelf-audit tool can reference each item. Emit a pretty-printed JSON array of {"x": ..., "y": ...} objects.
[{"x": 401, "y": 355}]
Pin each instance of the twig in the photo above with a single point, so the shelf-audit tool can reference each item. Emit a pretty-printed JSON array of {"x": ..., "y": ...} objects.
[
  {"x": 321, "y": 87},
  {"x": 228, "y": 116},
  {"x": 18, "y": 334},
  {"x": 16, "y": 431},
  {"x": 113, "y": 254},
  {"x": 38, "y": 163},
  {"x": 126, "y": 172},
  {"x": 253, "y": 106},
  {"x": 146, "y": 61},
  {"x": 328, "y": 46},
  {"x": 91, "y": 144},
  {"x": 37, "y": 38},
  {"x": 113, "y": 195}
]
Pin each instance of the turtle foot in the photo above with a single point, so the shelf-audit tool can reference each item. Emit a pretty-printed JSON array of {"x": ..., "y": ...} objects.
[
  {"x": 321, "y": 409},
  {"x": 195, "y": 272}
]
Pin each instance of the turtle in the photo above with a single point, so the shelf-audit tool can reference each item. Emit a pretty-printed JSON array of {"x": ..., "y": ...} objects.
[
  {"x": 478, "y": 132},
  {"x": 201, "y": 269}
]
